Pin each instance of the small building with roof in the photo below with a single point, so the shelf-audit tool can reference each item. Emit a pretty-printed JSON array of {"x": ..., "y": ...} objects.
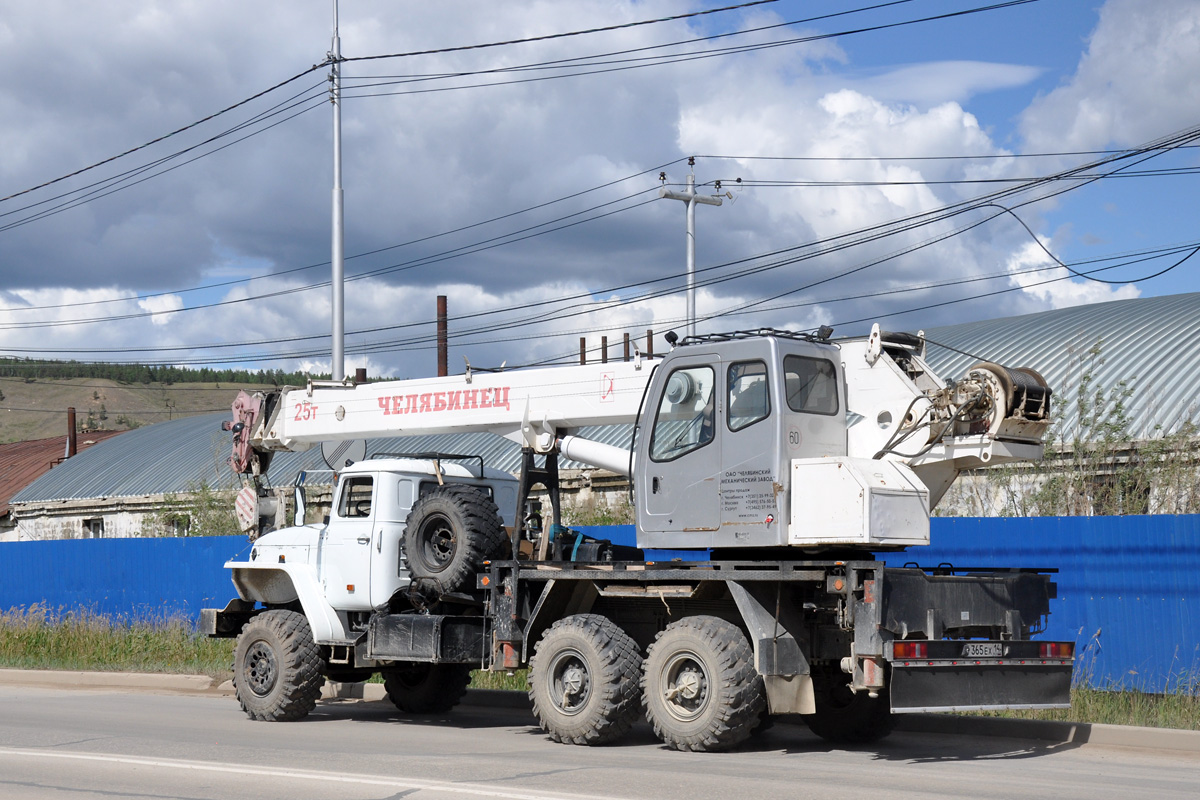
[{"x": 22, "y": 463}]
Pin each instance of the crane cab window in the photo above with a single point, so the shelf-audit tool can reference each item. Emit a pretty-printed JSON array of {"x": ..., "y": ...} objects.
[
  {"x": 685, "y": 414},
  {"x": 749, "y": 400},
  {"x": 355, "y": 502},
  {"x": 811, "y": 385}
]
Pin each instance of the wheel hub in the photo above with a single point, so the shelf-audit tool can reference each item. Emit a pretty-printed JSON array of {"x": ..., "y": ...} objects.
[
  {"x": 570, "y": 682},
  {"x": 261, "y": 669},
  {"x": 689, "y": 685},
  {"x": 440, "y": 543},
  {"x": 685, "y": 686}
]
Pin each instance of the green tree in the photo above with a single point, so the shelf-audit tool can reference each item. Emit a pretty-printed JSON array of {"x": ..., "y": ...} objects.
[{"x": 199, "y": 511}]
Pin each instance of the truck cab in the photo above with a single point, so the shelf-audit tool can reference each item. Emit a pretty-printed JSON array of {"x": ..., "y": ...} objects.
[{"x": 355, "y": 561}]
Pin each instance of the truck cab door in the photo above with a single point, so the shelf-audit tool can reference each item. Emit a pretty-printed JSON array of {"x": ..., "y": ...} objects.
[
  {"x": 680, "y": 465},
  {"x": 346, "y": 544},
  {"x": 753, "y": 510},
  {"x": 394, "y": 498}
]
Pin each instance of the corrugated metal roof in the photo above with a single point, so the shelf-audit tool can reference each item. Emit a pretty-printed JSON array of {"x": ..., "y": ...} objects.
[
  {"x": 183, "y": 454},
  {"x": 1147, "y": 343},
  {"x": 21, "y": 463}
]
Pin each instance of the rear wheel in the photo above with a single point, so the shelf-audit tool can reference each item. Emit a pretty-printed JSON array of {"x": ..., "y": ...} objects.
[
  {"x": 583, "y": 680},
  {"x": 420, "y": 688},
  {"x": 277, "y": 667},
  {"x": 701, "y": 689},
  {"x": 849, "y": 717},
  {"x": 448, "y": 534}
]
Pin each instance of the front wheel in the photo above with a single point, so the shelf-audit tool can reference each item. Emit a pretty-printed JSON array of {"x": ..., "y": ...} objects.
[
  {"x": 277, "y": 667},
  {"x": 583, "y": 680},
  {"x": 701, "y": 689},
  {"x": 419, "y": 688}
]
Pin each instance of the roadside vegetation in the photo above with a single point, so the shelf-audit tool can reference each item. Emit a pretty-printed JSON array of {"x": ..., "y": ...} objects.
[
  {"x": 39, "y": 638},
  {"x": 1180, "y": 710}
]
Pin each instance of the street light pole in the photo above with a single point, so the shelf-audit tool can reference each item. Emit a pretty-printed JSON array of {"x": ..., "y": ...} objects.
[
  {"x": 338, "y": 302},
  {"x": 691, "y": 198}
]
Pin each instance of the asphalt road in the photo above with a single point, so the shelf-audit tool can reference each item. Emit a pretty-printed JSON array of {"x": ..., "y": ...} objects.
[{"x": 102, "y": 744}]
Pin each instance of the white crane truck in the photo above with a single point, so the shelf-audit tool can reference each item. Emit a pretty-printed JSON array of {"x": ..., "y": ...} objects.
[{"x": 784, "y": 461}]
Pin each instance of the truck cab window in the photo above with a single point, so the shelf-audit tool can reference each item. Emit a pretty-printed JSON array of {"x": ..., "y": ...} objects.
[
  {"x": 811, "y": 384},
  {"x": 749, "y": 400},
  {"x": 685, "y": 414},
  {"x": 355, "y": 502}
]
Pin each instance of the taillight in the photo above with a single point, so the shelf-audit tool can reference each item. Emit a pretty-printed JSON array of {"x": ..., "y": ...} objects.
[
  {"x": 910, "y": 649},
  {"x": 1057, "y": 649}
]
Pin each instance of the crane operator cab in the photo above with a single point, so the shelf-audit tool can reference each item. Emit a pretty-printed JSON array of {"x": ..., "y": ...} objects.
[{"x": 743, "y": 444}]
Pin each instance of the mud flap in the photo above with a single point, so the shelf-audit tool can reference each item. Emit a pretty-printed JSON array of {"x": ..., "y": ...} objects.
[{"x": 968, "y": 687}]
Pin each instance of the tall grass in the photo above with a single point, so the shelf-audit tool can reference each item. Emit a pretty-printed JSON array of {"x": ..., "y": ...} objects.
[
  {"x": 36, "y": 637},
  {"x": 1121, "y": 707}
]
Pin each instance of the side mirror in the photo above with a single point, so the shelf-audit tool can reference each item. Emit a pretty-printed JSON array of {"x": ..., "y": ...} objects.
[{"x": 300, "y": 505}]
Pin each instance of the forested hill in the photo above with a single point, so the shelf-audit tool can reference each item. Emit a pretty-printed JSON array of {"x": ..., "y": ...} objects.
[
  {"x": 146, "y": 374},
  {"x": 35, "y": 395}
]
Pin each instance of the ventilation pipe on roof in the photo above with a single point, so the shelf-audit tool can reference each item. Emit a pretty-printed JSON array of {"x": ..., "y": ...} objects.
[
  {"x": 443, "y": 349},
  {"x": 72, "y": 445}
]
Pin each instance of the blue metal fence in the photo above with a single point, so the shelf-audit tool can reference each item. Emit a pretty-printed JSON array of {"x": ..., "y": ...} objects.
[
  {"x": 127, "y": 578},
  {"x": 1128, "y": 587}
]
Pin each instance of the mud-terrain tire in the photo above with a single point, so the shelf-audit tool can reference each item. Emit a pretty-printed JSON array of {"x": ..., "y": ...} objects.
[
  {"x": 846, "y": 717},
  {"x": 448, "y": 534},
  {"x": 420, "y": 688},
  {"x": 701, "y": 689},
  {"x": 583, "y": 681},
  {"x": 277, "y": 667}
]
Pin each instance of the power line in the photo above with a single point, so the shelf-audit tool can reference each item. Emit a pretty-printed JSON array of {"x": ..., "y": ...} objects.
[
  {"x": 583, "y": 308},
  {"x": 420, "y": 240},
  {"x": 487, "y": 244},
  {"x": 592, "y": 59},
  {"x": 127, "y": 182},
  {"x": 988, "y": 294},
  {"x": 980, "y": 156},
  {"x": 508, "y": 239},
  {"x": 649, "y": 61},
  {"x": 166, "y": 136},
  {"x": 766, "y": 183},
  {"x": 550, "y": 36},
  {"x": 266, "y": 114},
  {"x": 875, "y": 232}
]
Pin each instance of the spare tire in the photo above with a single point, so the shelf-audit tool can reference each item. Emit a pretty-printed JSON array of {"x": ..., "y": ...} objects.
[{"x": 448, "y": 534}]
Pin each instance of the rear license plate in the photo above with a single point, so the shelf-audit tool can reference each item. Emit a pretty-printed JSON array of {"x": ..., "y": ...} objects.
[{"x": 983, "y": 650}]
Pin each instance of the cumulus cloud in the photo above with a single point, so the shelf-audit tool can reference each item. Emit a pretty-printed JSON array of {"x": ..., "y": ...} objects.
[
  {"x": 1040, "y": 277},
  {"x": 160, "y": 306},
  {"x": 1135, "y": 82}
]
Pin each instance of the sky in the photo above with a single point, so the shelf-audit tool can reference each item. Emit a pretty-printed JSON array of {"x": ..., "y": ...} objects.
[{"x": 877, "y": 161}]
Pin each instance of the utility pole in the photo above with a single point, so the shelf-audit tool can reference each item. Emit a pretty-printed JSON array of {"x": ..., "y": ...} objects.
[
  {"x": 691, "y": 198},
  {"x": 338, "y": 302}
]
